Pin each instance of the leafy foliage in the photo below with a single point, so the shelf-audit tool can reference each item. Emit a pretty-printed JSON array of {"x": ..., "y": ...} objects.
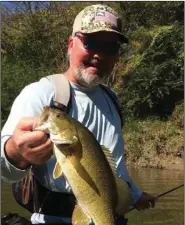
[
  {"x": 148, "y": 75},
  {"x": 152, "y": 80}
]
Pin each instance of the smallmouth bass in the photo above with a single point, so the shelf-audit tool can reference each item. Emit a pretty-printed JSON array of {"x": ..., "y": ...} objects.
[{"x": 88, "y": 167}]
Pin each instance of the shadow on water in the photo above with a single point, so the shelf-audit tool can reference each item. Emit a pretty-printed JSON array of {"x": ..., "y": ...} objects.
[{"x": 169, "y": 209}]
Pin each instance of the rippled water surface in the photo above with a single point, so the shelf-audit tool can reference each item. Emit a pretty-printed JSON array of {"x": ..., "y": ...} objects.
[{"x": 168, "y": 211}]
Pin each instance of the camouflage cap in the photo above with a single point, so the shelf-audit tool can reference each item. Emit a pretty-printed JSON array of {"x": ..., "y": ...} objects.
[{"x": 97, "y": 18}]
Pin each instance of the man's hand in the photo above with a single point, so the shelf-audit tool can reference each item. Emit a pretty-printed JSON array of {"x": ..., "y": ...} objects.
[
  {"x": 146, "y": 201},
  {"x": 27, "y": 147}
]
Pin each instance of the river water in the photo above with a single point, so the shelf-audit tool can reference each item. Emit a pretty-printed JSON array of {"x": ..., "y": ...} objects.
[{"x": 169, "y": 209}]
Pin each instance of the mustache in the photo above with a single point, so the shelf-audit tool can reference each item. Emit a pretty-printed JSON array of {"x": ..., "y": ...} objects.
[{"x": 93, "y": 62}]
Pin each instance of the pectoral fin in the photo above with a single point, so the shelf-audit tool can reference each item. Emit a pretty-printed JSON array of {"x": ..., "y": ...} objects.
[
  {"x": 57, "y": 172},
  {"x": 79, "y": 217},
  {"x": 82, "y": 172},
  {"x": 124, "y": 196}
]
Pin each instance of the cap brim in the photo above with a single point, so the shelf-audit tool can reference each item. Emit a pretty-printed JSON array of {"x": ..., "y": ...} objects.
[{"x": 122, "y": 37}]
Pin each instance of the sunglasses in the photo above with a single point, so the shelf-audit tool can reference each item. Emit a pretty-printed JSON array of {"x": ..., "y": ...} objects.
[{"x": 90, "y": 44}]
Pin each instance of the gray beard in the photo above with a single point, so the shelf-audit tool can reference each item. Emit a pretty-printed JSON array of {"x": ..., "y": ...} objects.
[{"x": 88, "y": 80}]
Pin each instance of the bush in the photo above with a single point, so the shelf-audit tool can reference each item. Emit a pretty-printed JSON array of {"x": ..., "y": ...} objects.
[
  {"x": 14, "y": 78},
  {"x": 152, "y": 81}
]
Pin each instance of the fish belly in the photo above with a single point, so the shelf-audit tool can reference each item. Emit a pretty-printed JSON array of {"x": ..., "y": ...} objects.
[{"x": 97, "y": 205}]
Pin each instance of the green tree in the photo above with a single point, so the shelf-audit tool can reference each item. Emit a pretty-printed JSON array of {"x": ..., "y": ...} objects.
[{"x": 148, "y": 76}]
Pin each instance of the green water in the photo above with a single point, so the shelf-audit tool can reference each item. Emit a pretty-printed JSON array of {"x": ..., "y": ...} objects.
[{"x": 168, "y": 211}]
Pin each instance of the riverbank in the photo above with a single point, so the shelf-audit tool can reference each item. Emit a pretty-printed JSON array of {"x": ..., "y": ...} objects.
[
  {"x": 168, "y": 163},
  {"x": 155, "y": 143}
]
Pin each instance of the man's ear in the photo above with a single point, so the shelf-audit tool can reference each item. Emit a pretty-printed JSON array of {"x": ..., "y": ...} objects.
[{"x": 70, "y": 44}]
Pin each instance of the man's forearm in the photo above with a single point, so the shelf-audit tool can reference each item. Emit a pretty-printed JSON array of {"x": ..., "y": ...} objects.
[
  {"x": 9, "y": 172},
  {"x": 136, "y": 192}
]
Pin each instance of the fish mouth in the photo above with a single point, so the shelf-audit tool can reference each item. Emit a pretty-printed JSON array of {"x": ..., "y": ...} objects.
[
  {"x": 42, "y": 127},
  {"x": 61, "y": 142}
]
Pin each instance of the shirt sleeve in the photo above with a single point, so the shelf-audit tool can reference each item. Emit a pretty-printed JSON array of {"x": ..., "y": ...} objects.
[
  {"x": 29, "y": 103},
  {"x": 136, "y": 192}
]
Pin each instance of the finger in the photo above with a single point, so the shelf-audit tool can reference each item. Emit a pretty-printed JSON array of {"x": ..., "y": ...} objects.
[
  {"x": 43, "y": 139},
  {"x": 40, "y": 154},
  {"x": 149, "y": 205},
  {"x": 42, "y": 159},
  {"x": 33, "y": 138},
  {"x": 146, "y": 206},
  {"x": 28, "y": 123},
  {"x": 152, "y": 204},
  {"x": 43, "y": 148}
]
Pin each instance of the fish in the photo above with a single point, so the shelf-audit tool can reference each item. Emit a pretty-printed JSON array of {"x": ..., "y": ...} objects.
[{"x": 89, "y": 168}]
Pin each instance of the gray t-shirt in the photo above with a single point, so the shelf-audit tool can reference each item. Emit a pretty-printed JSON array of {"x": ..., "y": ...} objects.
[{"x": 92, "y": 107}]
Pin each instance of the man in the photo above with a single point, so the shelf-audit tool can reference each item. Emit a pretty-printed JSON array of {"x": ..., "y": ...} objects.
[{"x": 93, "y": 51}]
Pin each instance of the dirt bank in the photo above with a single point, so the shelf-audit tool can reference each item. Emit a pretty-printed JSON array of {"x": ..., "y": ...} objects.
[{"x": 170, "y": 163}]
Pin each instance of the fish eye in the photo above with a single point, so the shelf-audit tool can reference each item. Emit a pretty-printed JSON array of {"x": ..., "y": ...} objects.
[{"x": 58, "y": 115}]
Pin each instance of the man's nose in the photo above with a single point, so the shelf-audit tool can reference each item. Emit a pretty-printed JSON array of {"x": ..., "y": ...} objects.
[{"x": 98, "y": 55}]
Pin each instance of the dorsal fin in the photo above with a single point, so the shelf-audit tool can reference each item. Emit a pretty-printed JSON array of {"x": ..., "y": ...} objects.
[
  {"x": 110, "y": 158},
  {"x": 124, "y": 200}
]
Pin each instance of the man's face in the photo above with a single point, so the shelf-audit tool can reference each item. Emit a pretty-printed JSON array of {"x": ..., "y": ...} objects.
[{"x": 93, "y": 56}]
